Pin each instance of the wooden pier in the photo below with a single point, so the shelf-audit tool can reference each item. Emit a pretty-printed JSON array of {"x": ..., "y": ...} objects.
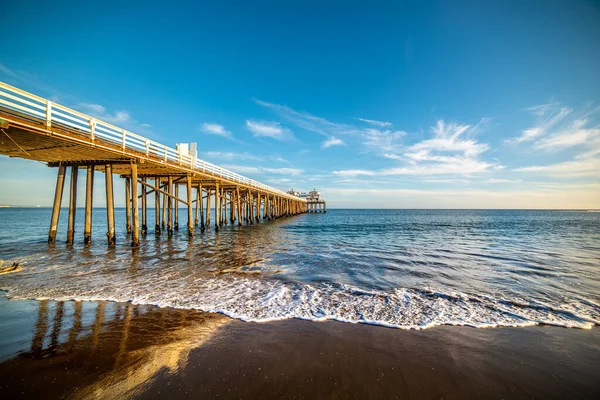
[{"x": 37, "y": 129}]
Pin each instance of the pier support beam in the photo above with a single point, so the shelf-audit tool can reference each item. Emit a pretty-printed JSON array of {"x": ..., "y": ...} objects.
[
  {"x": 128, "y": 203},
  {"x": 135, "y": 239},
  {"x": 176, "y": 204},
  {"x": 238, "y": 201},
  {"x": 144, "y": 208},
  {"x": 201, "y": 204},
  {"x": 258, "y": 208},
  {"x": 58, "y": 193},
  {"x": 217, "y": 206},
  {"x": 110, "y": 205},
  {"x": 231, "y": 207},
  {"x": 170, "y": 206},
  {"x": 164, "y": 211},
  {"x": 157, "y": 206},
  {"x": 89, "y": 198},
  {"x": 190, "y": 224},
  {"x": 198, "y": 206},
  {"x": 207, "y": 208},
  {"x": 72, "y": 205}
]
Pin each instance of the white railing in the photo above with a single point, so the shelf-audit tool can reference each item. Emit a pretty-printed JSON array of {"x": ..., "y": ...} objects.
[{"x": 27, "y": 105}]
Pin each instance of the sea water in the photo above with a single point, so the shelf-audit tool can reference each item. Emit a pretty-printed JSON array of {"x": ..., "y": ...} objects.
[{"x": 397, "y": 268}]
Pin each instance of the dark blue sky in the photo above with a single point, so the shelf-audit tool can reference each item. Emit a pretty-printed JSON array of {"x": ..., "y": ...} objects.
[{"x": 491, "y": 98}]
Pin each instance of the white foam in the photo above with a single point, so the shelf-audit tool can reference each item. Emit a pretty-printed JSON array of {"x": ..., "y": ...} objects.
[{"x": 263, "y": 300}]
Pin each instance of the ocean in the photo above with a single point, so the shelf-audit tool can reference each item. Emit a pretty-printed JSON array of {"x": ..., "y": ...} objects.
[{"x": 408, "y": 269}]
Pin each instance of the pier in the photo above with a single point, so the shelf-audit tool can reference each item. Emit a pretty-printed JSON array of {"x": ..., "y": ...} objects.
[{"x": 38, "y": 129}]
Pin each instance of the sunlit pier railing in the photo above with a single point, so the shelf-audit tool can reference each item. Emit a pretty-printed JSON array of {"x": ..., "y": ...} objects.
[
  {"x": 54, "y": 114},
  {"x": 39, "y": 129}
]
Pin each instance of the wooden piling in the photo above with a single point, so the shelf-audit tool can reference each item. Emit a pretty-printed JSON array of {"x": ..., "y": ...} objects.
[
  {"x": 72, "y": 204},
  {"x": 135, "y": 239},
  {"x": 58, "y": 193},
  {"x": 238, "y": 202},
  {"x": 217, "y": 206},
  {"x": 169, "y": 206},
  {"x": 157, "y": 206},
  {"x": 176, "y": 205},
  {"x": 110, "y": 205},
  {"x": 128, "y": 203},
  {"x": 258, "y": 207},
  {"x": 144, "y": 208},
  {"x": 89, "y": 195},
  {"x": 190, "y": 223},
  {"x": 201, "y": 200},
  {"x": 198, "y": 206},
  {"x": 207, "y": 208},
  {"x": 164, "y": 210}
]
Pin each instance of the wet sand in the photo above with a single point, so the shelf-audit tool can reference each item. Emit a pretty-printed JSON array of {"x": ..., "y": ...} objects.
[{"x": 112, "y": 350}]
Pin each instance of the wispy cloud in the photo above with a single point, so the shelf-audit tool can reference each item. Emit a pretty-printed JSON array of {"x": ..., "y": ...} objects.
[
  {"x": 373, "y": 139},
  {"x": 579, "y": 130},
  {"x": 383, "y": 124},
  {"x": 332, "y": 141},
  {"x": 215, "y": 129},
  {"x": 568, "y": 169},
  {"x": 245, "y": 169},
  {"x": 451, "y": 150},
  {"x": 99, "y": 111},
  {"x": 229, "y": 156},
  {"x": 270, "y": 129},
  {"x": 121, "y": 119},
  {"x": 547, "y": 117}
]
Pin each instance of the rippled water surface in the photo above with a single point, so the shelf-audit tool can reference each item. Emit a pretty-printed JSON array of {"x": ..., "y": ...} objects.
[{"x": 400, "y": 268}]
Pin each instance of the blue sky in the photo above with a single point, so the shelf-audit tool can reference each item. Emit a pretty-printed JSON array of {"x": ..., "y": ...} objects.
[{"x": 378, "y": 105}]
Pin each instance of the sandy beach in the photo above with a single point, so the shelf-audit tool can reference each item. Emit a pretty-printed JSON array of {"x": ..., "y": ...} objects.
[{"x": 114, "y": 350}]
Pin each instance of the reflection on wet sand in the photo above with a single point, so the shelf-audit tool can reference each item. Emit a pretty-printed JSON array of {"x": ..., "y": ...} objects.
[{"x": 121, "y": 348}]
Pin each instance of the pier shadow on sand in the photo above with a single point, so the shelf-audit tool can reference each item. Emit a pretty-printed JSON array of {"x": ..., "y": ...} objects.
[{"x": 121, "y": 350}]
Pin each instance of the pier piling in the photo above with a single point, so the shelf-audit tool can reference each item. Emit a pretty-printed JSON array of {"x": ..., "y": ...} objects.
[
  {"x": 144, "y": 208},
  {"x": 169, "y": 206},
  {"x": 89, "y": 198},
  {"x": 58, "y": 193},
  {"x": 135, "y": 239},
  {"x": 128, "y": 203},
  {"x": 157, "y": 205},
  {"x": 217, "y": 207},
  {"x": 110, "y": 205},
  {"x": 190, "y": 223},
  {"x": 72, "y": 205},
  {"x": 176, "y": 210}
]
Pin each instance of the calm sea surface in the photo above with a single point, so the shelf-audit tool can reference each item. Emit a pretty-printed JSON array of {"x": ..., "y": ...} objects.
[{"x": 399, "y": 268}]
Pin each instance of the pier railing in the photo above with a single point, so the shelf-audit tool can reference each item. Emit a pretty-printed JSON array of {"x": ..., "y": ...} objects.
[{"x": 56, "y": 115}]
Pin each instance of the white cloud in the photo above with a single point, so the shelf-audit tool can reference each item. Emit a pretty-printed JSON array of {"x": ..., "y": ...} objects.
[
  {"x": 121, "y": 119},
  {"x": 574, "y": 134},
  {"x": 332, "y": 141},
  {"x": 568, "y": 169},
  {"x": 548, "y": 116},
  {"x": 215, "y": 129},
  {"x": 98, "y": 111},
  {"x": 383, "y": 124},
  {"x": 229, "y": 156},
  {"x": 448, "y": 152},
  {"x": 284, "y": 171},
  {"x": 244, "y": 169},
  {"x": 270, "y": 129},
  {"x": 494, "y": 180}
]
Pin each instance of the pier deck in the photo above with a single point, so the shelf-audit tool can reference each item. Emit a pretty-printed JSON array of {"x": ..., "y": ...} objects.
[{"x": 37, "y": 129}]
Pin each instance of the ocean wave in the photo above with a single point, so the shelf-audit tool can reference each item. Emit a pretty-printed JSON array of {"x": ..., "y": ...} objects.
[{"x": 262, "y": 300}]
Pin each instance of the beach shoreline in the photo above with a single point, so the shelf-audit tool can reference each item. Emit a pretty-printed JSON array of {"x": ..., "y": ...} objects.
[{"x": 116, "y": 350}]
